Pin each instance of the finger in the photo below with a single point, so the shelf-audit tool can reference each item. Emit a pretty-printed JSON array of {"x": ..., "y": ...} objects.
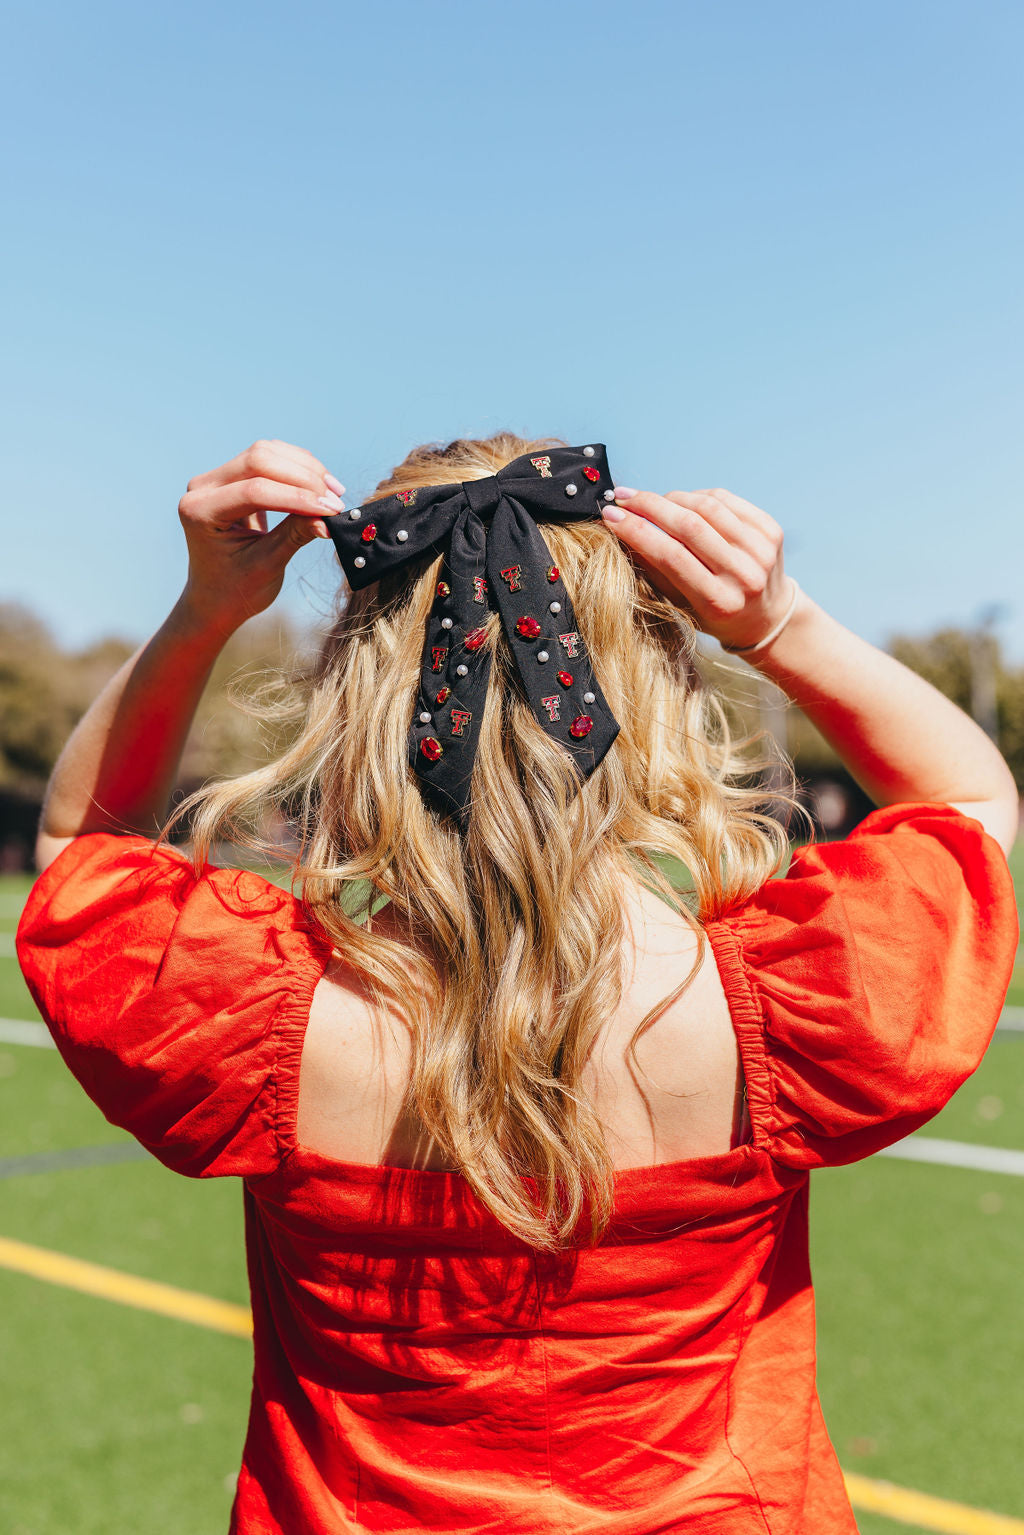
[
  {"x": 734, "y": 526},
  {"x": 300, "y": 455},
  {"x": 695, "y": 531},
  {"x": 268, "y": 461},
  {"x": 225, "y": 505},
  {"x": 661, "y": 552},
  {"x": 747, "y": 512}
]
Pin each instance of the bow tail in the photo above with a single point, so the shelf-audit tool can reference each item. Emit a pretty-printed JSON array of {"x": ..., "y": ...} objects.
[
  {"x": 538, "y": 618},
  {"x": 455, "y": 671}
]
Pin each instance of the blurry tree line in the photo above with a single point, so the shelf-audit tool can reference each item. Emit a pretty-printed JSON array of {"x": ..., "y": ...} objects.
[{"x": 46, "y": 688}]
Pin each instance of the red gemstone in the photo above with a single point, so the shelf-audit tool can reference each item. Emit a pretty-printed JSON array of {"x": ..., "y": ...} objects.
[
  {"x": 591, "y": 473},
  {"x": 565, "y": 678},
  {"x": 443, "y": 589},
  {"x": 475, "y": 639},
  {"x": 431, "y": 747},
  {"x": 528, "y": 627},
  {"x": 552, "y": 572},
  {"x": 582, "y": 725},
  {"x": 443, "y": 695},
  {"x": 369, "y": 533}
]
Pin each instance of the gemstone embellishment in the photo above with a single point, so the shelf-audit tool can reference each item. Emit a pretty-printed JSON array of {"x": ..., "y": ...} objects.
[
  {"x": 443, "y": 695},
  {"x": 552, "y": 572},
  {"x": 528, "y": 627},
  {"x": 582, "y": 725},
  {"x": 565, "y": 678},
  {"x": 591, "y": 473},
  {"x": 443, "y": 589},
  {"x": 475, "y": 638},
  {"x": 369, "y": 533},
  {"x": 431, "y": 748}
]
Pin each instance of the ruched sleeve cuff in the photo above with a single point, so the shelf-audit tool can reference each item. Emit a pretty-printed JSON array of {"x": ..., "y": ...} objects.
[
  {"x": 881, "y": 963},
  {"x": 167, "y": 993}
]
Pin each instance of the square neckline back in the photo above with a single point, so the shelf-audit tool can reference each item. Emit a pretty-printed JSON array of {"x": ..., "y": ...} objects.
[{"x": 748, "y": 1026}]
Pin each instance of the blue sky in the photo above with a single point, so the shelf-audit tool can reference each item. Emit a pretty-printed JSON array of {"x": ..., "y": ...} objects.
[{"x": 772, "y": 247}]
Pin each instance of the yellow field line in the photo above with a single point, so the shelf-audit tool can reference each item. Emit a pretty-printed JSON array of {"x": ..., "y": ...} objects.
[
  {"x": 127, "y": 1289},
  {"x": 902, "y": 1504},
  {"x": 928, "y": 1513}
]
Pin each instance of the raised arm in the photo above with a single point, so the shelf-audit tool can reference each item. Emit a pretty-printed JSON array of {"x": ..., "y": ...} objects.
[
  {"x": 720, "y": 558},
  {"x": 117, "y": 769}
]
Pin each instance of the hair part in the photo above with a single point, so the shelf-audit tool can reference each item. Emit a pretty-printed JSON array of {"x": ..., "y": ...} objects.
[{"x": 508, "y": 964}]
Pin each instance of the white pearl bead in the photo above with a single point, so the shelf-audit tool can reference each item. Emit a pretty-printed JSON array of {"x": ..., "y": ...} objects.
[
  {"x": 542, "y": 655},
  {"x": 588, "y": 452},
  {"x": 554, "y": 607},
  {"x": 355, "y": 514},
  {"x": 359, "y": 561},
  {"x": 424, "y": 718},
  {"x": 401, "y": 535},
  {"x": 462, "y": 671},
  {"x": 588, "y": 698},
  {"x": 571, "y": 490},
  {"x": 609, "y": 495},
  {"x": 446, "y": 623}
]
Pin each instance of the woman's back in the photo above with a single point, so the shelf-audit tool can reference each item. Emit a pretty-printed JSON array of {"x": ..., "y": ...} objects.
[{"x": 355, "y": 1072}]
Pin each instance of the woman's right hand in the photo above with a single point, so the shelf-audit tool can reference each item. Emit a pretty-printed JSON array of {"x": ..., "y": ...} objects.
[{"x": 716, "y": 556}]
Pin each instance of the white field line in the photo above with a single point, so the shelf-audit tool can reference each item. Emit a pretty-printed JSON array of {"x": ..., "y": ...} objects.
[
  {"x": 18, "y": 1031},
  {"x": 982, "y": 1159}
]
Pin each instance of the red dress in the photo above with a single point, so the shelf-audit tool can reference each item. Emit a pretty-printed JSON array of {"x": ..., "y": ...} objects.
[{"x": 416, "y": 1367}]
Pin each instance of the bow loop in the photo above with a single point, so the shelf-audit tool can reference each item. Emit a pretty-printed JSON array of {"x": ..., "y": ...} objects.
[{"x": 505, "y": 568}]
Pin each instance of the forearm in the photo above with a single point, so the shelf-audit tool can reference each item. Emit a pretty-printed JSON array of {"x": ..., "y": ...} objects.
[
  {"x": 899, "y": 737},
  {"x": 118, "y": 768}
]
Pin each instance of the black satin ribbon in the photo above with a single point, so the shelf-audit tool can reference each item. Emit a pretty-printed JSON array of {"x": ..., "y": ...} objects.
[{"x": 495, "y": 559}]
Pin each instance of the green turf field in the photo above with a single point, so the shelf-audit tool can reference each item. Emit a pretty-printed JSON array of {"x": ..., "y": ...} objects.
[{"x": 117, "y": 1419}]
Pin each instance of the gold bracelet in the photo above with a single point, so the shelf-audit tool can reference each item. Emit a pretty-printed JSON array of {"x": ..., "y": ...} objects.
[{"x": 746, "y": 650}]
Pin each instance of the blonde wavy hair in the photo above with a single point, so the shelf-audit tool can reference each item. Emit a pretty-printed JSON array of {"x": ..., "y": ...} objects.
[{"x": 508, "y": 966}]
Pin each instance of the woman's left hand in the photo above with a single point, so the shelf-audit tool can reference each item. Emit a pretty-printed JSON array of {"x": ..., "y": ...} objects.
[{"x": 236, "y": 566}]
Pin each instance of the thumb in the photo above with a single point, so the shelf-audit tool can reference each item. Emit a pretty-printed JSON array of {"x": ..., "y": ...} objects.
[{"x": 293, "y": 533}]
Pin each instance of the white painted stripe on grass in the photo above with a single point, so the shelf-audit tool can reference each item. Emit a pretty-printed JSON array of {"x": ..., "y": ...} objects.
[
  {"x": 1012, "y": 1018},
  {"x": 18, "y": 1031},
  {"x": 982, "y": 1159}
]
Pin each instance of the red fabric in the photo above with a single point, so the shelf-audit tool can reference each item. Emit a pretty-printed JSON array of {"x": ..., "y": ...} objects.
[{"x": 416, "y": 1368}]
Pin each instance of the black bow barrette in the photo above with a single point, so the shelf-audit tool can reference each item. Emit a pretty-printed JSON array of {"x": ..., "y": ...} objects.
[{"x": 508, "y": 568}]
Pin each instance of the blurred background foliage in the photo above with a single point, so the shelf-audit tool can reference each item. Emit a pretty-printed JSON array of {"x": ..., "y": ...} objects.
[{"x": 46, "y": 688}]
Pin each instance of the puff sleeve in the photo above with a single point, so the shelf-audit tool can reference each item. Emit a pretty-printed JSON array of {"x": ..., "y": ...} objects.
[
  {"x": 880, "y": 965},
  {"x": 166, "y": 994}
]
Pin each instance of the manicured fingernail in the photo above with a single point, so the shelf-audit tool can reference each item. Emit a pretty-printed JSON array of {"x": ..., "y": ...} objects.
[
  {"x": 330, "y": 502},
  {"x": 320, "y": 529},
  {"x": 623, "y": 493},
  {"x": 612, "y": 514},
  {"x": 333, "y": 484}
]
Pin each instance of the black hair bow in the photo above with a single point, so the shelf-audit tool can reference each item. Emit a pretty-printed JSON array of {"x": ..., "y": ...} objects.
[{"x": 506, "y": 567}]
